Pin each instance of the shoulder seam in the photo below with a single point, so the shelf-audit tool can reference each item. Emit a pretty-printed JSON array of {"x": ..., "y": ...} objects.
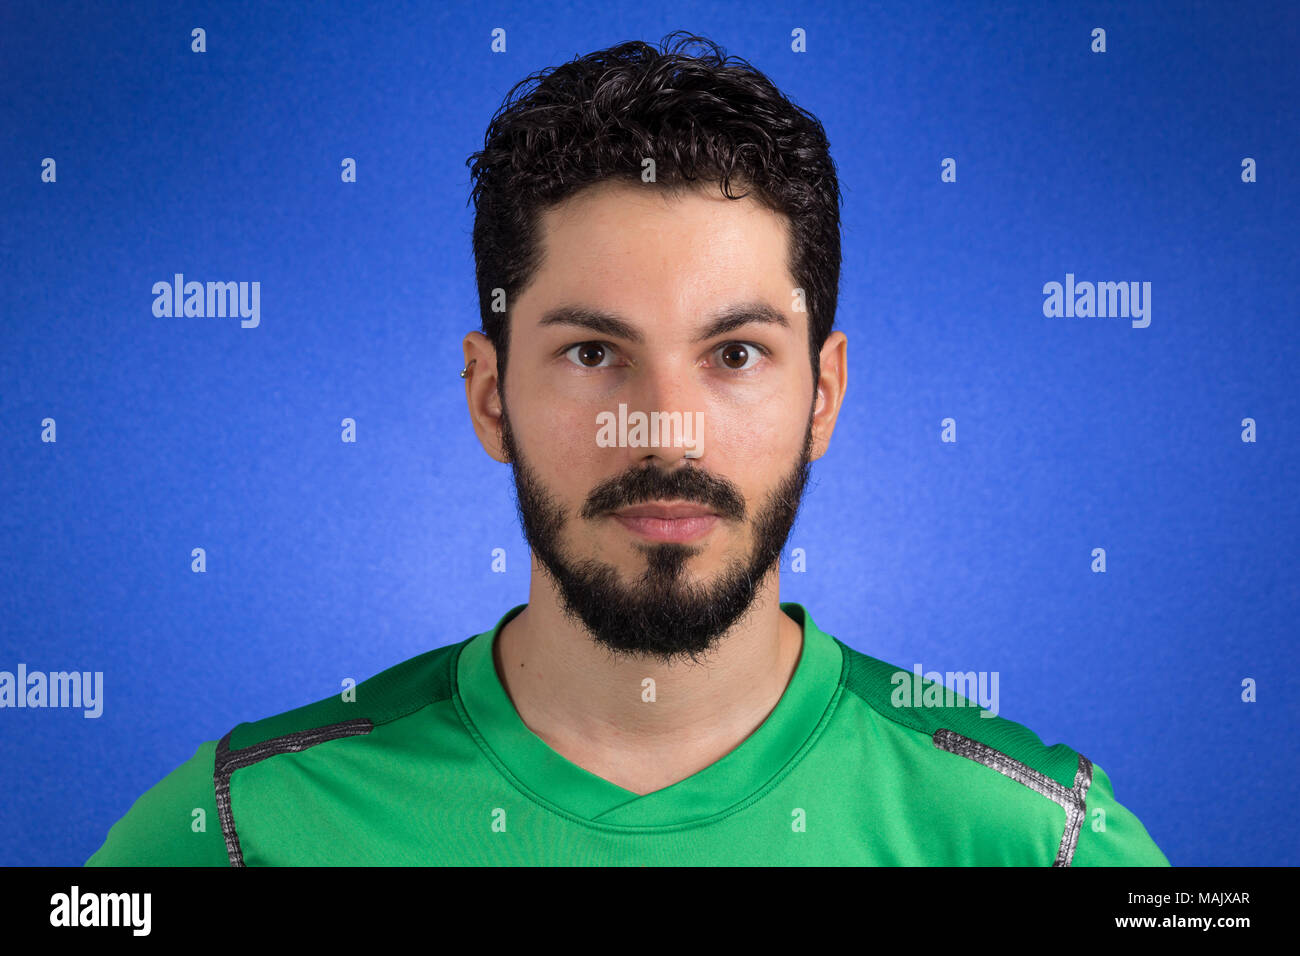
[
  {"x": 1058, "y": 762},
  {"x": 227, "y": 762},
  {"x": 328, "y": 709},
  {"x": 1071, "y": 799}
]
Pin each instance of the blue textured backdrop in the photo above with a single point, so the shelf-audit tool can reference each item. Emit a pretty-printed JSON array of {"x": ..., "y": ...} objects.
[{"x": 329, "y": 560}]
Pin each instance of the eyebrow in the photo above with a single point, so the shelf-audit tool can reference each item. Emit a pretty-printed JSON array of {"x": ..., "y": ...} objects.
[{"x": 615, "y": 326}]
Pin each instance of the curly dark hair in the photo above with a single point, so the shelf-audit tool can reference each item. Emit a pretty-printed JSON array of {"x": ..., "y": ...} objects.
[{"x": 596, "y": 117}]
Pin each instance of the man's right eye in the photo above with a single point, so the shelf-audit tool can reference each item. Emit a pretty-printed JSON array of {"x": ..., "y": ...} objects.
[{"x": 589, "y": 354}]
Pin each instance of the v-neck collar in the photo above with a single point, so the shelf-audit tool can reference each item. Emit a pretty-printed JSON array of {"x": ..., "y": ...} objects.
[{"x": 530, "y": 763}]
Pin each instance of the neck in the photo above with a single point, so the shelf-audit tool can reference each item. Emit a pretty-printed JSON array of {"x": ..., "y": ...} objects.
[{"x": 596, "y": 709}]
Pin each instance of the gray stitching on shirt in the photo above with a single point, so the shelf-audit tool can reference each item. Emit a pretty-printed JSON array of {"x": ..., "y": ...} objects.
[
  {"x": 228, "y": 761},
  {"x": 1072, "y": 799}
]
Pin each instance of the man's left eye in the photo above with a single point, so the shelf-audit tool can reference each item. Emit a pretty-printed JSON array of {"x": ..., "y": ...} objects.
[{"x": 737, "y": 356}]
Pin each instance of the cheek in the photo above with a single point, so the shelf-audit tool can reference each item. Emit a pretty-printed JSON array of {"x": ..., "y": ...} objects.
[
  {"x": 752, "y": 444},
  {"x": 561, "y": 444}
]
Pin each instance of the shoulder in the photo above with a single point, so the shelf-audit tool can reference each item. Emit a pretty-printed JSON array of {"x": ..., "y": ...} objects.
[
  {"x": 186, "y": 818},
  {"x": 174, "y": 823},
  {"x": 952, "y": 721},
  {"x": 948, "y": 726},
  {"x": 390, "y": 695}
]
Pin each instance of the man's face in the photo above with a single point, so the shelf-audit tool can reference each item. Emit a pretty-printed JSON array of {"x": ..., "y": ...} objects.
[{"x": 666, "y": 268}]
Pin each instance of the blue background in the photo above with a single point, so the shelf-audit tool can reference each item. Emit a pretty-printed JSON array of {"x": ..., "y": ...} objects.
[{"x": 329, "y": 560}]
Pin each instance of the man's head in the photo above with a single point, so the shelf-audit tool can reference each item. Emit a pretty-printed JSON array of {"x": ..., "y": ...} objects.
[{"x": 629, "y": 293}]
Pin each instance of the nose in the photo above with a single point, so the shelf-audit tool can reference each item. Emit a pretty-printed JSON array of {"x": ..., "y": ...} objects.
[{"x": 670, "y": 400}]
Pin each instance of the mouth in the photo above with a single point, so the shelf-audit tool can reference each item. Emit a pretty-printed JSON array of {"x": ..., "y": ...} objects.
[{"x": 659, "y": 521}]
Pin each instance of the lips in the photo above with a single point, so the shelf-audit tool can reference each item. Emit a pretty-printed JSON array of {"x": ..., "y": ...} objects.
[{"x": 679, "y": 522}]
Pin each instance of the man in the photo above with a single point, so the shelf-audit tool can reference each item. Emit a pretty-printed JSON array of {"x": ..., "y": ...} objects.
[{"x": 657, "y": 247}]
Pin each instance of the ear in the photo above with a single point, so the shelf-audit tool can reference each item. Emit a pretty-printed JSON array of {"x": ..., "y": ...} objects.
[
  {"x": 482, "y": 393},
  {"x": 831, "y": 384}
]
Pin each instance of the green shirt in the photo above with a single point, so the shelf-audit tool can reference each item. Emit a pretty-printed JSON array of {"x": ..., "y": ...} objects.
[{"x": 430, "y": 764}]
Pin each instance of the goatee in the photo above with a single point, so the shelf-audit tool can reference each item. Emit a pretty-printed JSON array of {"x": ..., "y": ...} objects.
[{"x": 661, "y": 615}]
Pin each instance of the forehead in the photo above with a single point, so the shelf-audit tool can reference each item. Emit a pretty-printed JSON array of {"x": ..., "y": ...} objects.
[{"x": 641, "y": 247}]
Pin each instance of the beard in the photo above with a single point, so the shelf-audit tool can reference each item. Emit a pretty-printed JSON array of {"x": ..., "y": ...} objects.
[{"x": 662, "y": 615}]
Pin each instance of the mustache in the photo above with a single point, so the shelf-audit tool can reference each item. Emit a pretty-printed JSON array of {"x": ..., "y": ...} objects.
[{"x": 652, "y": 484}]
